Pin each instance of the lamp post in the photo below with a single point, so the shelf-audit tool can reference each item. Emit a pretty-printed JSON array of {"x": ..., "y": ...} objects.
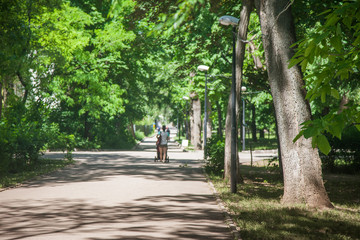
[
  {"x": 204, "y": 68},
  {"x": 243, "y": 89},
  {"x": 229, "y": 20}
]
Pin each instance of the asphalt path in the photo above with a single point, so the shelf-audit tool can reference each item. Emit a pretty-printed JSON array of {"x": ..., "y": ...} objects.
[{"x": 116, "y": 195}]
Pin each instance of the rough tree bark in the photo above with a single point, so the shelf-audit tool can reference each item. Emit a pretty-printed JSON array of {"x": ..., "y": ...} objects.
[
  {"x": 196, "y": 126},
  {"x": 240, "y": 53},
  {"x": 303, "y": 182}
]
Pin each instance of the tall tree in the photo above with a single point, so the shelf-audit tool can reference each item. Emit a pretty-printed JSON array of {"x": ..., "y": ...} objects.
[
  {"x": 196, "y": 123},
  {"x": 246, "y": 10},
  {"x": 303, "y": 181}
]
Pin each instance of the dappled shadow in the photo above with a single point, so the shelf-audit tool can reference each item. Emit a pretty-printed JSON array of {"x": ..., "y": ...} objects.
[
  {"x": 102, "y": 166},
  {"x": 115, "y": 195},
  {"x": 183, "y": 217}
]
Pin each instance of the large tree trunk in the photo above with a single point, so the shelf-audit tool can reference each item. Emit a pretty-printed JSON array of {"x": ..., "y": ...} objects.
[
  {"x": 301, "y": 163},
  {"x": 196, "y": 126},
  {"x": 240, "y": 53}
]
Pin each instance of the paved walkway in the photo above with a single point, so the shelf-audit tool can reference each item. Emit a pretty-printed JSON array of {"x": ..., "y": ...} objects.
[{"x": 116, "y": 195}]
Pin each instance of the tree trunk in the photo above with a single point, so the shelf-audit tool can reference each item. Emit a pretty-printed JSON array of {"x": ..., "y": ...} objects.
[
  {"x": 131, "y": 129},
  {"x": 343, "y": 102},
  {"x": 191, "y": 122},
  {"x": 279, "y": 148},
  {"x": 227, "y": 157},
  {"x": 253, "y": 122},
  {"x": 196, "y": 126},
  {"x": 262, "y": 133},
  {"x": 220, "y": 131},
  {"x": 240, "y": 53},
  {"x": 257, "y": 61},
  {"x": 87, "y": 126},
  {"x": 301, "y": 163},
  {"x": 25, "y": 85},
  {"x": 1, "y": 99}
]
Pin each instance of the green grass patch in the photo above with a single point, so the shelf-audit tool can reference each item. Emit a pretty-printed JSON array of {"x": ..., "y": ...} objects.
[
  {"x": 256, "y": 208},
  {"x": 42, "y": 166},
  {"x": 260, "y": 144}
]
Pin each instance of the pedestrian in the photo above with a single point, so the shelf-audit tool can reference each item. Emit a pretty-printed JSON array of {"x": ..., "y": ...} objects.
[{"x": 164, "y": 138}]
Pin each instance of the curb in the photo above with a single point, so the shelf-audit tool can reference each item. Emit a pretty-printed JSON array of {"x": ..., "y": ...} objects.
[{"x": 235, "y": 231}]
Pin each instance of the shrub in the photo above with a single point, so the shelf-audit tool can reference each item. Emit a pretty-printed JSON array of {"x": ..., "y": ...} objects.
[
  {"x": 215, "y": 152},
  {"x": 139, "y": 135},
  {"x": 345, "y": 153}
]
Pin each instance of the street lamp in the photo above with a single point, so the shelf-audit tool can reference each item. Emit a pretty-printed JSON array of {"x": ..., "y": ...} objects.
[
  {"x": 243, "y": 89},
  {"x": 229, "y": 20},
  {"x": 204, "y": 68}
]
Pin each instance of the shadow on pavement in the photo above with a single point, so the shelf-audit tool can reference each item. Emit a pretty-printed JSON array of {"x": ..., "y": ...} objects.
[
  {"x": 112, "y": 196},
  {"x": 128, "y": 220},
  {"x": 101, "y": 167}
]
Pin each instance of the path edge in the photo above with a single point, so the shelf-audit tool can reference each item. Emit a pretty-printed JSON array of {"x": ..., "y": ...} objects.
[{"x": 235, "y": 231}]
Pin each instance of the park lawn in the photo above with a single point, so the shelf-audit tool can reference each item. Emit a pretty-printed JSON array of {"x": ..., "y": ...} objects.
[
  {"x": 257, "y": 211},
  {"x": 41, "y": 167},
  {"x": 260, "y": 144}
]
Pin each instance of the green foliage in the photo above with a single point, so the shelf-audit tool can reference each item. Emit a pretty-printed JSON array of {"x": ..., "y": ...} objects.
[
  {"x": 344, "y": 156},
  {"x": 215, "y": 153},
  {"x": 139, "y": 135},
  {"x": 24, "y": 133},
  {"x": 63, "y": 78},
  {"x": 329, "y": 57}
]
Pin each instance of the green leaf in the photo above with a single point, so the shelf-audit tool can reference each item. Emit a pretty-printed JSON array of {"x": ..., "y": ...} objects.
[
  {"x": 309, "y": 49},
  {"x": 336, "y": 131},
  {"x": 332, "y": 20},
  {"x": 301, "y": 133},
  {"x": 336, "y": 43},
  {"x": 323, "y": 96},
  {"x": 303, "y": 65},
  {"x": 310, "y": 132},
  {"x": 323, "y": 144},
  {"x": 335, "y": 93},
  {"x": 293, "y": 62}
]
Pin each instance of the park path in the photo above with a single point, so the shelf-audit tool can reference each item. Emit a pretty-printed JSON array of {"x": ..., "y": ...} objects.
[{"x": 116, "y": 195}]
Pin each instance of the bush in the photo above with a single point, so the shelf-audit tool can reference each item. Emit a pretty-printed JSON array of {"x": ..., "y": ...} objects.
[
  {"x": 20, "y": 144},
  {"x": 215, "y": 153},
  {"x": 345, "y": 153},
  {"x": 139, "y": 135},
  {"x": 24, "y": 135}
]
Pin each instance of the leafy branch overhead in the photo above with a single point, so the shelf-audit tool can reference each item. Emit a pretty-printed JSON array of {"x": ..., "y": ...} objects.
[{"x": 329, "y": 56}]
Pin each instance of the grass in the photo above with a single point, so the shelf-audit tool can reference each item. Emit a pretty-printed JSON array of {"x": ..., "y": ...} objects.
[
  {"x": 257, "y": 211},
  {"x": 260, "y": 144},
  {"x": 41, "y": 167}
]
